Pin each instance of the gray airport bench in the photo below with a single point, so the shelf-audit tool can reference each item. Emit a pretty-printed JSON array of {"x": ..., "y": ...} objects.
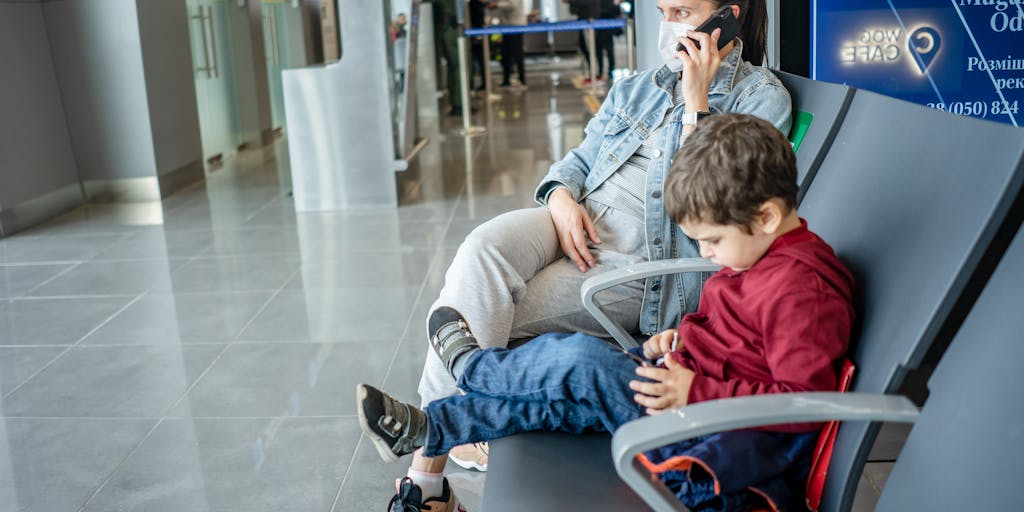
[{"x": 917, "y": 203}]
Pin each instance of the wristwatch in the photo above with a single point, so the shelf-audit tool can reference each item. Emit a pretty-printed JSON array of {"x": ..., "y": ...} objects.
[{"x": 692, "y": 118}]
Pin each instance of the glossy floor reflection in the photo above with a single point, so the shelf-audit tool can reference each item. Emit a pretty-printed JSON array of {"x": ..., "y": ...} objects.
[{"x": 200, "y": 354}]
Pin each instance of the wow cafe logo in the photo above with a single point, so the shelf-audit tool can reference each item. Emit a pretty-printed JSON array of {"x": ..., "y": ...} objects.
[{"x": 875, "y": 46}]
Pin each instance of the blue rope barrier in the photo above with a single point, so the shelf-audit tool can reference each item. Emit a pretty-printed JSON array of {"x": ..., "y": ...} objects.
[{"x": 561, "y": 26}]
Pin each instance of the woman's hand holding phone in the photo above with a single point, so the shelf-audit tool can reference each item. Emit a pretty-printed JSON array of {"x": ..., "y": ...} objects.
[{"x": 700, "y": 65}]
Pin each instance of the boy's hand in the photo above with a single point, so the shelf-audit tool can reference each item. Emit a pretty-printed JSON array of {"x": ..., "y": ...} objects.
[
  {"x": 670, "y": 389},
  {"x": 661, "y": 344}
]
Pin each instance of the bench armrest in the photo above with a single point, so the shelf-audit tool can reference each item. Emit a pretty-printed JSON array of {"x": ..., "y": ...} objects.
[
  {"x": 636, "y": 272},
  {"x": 713, "y": 416}
]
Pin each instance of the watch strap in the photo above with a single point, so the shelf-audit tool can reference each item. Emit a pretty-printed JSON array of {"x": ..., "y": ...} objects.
[{"x": 692, "y": 118}]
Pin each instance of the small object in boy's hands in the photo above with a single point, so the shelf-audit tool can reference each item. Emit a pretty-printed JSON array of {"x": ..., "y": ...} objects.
[{"x": 637, "y": 359}]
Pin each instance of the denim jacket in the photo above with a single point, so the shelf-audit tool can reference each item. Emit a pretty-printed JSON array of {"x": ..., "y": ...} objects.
[{"x": 635, "y": 106}]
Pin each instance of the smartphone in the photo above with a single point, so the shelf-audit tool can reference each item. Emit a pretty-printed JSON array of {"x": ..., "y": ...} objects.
[
  {"x": 724, "y": 19},
  {"x": 637, "y": 359}
]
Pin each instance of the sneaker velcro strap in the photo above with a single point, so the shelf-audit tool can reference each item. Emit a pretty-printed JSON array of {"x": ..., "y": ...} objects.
[
  {"x": 452, "y": 340},
  {"x": 456, "y": 349}
]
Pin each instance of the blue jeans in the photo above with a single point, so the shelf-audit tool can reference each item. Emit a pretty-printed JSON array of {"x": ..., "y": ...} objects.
[{"x": 567, "y": 382}]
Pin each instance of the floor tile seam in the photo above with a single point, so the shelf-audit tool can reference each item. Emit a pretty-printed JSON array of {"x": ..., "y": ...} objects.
[
  {"x": 138, "y": 297},
  {"x": 157, "y": 294},
  {"x": 50, "y": 280},
  {"x": 212, "y": 254},
  {"x": 398, "y": 346},
  {"x": 40, "y": 263},
  {"x": 348, "y": 471},
  {"x": 73, "y": 345},
  {"x": 264, "y": 418},
  {"x": 30, "y": 377},
  {"x": 200, "y": 256},
  {"x": 205, "y": 250},
  {"x": 92, "y": 296},
  {"x": 205, "y": 343},
  {"x": 407, "y": 249},
  {"x": 189, "y": 261},
  {"x": 123, "y": 238},
  {"x": 83, "y": 418},
  {"x": 265, "y": 305},
  {"x": 195, "y": 382},
  {"x": 19, "y": 237},
  {"x": 152, "y": 345},
  {"x": 355, "y": 340},
  {"x": 206, "y": 256},
  {"x": 57, "y": 345},
  {"x": 436, "y": 260},
  {"x": 260, "y": 210},
  {"x": 167, "y": 258},
  {"x": 178, "y": 418},
  {"x": 193, "y": 191},
  {"x": 119, "y": 465}
]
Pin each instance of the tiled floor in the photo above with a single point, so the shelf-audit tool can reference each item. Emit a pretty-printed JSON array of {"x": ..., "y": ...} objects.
[{"x": 201, "y": 354}]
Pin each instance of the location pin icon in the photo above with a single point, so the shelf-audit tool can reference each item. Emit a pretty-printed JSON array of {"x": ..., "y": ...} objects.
[{"x": 924, "y": 45}]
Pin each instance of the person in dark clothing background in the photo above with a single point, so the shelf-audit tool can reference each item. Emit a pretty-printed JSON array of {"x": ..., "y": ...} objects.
[
  {"x": 478, "y": 19},
  {"x": 605, "y": 39},
  {"x": 512, "y": 44},
  {"x": 446, "y": 24},
  {"x": 584, "y": 10}
]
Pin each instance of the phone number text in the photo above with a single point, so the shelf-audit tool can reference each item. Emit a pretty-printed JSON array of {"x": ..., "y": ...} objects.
[{"x": 981, "y": 109}]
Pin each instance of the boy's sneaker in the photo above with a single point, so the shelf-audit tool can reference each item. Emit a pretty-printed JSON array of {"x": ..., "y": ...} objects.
[
  {"x": 470, "y": 456},
  {"x": 450, "y": 337},
  {"x": 410, "y": 499},
  {"x": 395, "y": 428}
]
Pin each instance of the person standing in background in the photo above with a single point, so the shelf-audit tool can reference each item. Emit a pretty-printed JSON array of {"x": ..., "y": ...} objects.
[
  {"x": 446, "y": 23},
  {"x": 400, "y": 50},
  {"x": 512, "y": 44},
  {"x": 605, "y": 40},
  {"x": 585, "y": 10},
  {"x": 478, "y": 19}
]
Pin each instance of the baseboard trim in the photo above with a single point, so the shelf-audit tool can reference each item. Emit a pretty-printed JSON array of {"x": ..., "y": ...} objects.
[
  {"x": 41, "y": 209},
  {"x": 126, "y": 190},
  {"x": 141, "y": 190},
  {"x": 182, "y": 177}
]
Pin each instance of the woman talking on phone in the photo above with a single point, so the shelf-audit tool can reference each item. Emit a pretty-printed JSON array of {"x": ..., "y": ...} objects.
[{"x": 519, "y": 275}]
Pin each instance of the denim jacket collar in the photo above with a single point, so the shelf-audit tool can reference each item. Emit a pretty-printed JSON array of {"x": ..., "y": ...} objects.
[
  {"x": 633, "y": 107},
  {"x": 723, "y": 82}
]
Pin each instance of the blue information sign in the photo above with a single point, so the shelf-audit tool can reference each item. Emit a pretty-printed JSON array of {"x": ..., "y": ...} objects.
[{"x": 961, "y": 56}]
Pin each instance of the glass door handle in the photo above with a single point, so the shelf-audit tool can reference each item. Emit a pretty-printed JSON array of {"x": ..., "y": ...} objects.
[
  {"x": 201, "y": 17},
  {"x": 275, "y": 39},
  {"x": 213, "y": 42}
]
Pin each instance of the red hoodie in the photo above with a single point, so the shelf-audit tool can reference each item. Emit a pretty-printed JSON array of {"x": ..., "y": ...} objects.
[{"x": 781, "y": 326}]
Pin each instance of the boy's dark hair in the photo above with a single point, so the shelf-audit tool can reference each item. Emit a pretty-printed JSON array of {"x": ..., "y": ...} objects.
[{"x": 728, "y": 167}]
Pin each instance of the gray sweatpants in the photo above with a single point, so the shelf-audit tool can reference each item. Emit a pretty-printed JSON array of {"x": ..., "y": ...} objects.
[{"x": 510, "y": 280}]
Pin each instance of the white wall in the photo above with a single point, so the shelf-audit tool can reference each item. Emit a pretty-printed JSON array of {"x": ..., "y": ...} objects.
[
  {"x": 98, "y": 56},
  {"x": 35, "y": 148},
  {"x": 169, "y": 83},
  {"x": 248, "y": 59}
]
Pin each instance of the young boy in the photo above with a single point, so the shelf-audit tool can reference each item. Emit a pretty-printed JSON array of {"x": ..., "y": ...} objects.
[{"x": 775, "y": 319}]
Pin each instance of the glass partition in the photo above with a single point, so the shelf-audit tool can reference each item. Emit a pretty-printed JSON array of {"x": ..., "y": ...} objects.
[{"x": 402, "y": 34}]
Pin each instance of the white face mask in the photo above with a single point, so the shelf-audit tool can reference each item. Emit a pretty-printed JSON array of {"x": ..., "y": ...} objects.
[{"x": 668, "y": 35}]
